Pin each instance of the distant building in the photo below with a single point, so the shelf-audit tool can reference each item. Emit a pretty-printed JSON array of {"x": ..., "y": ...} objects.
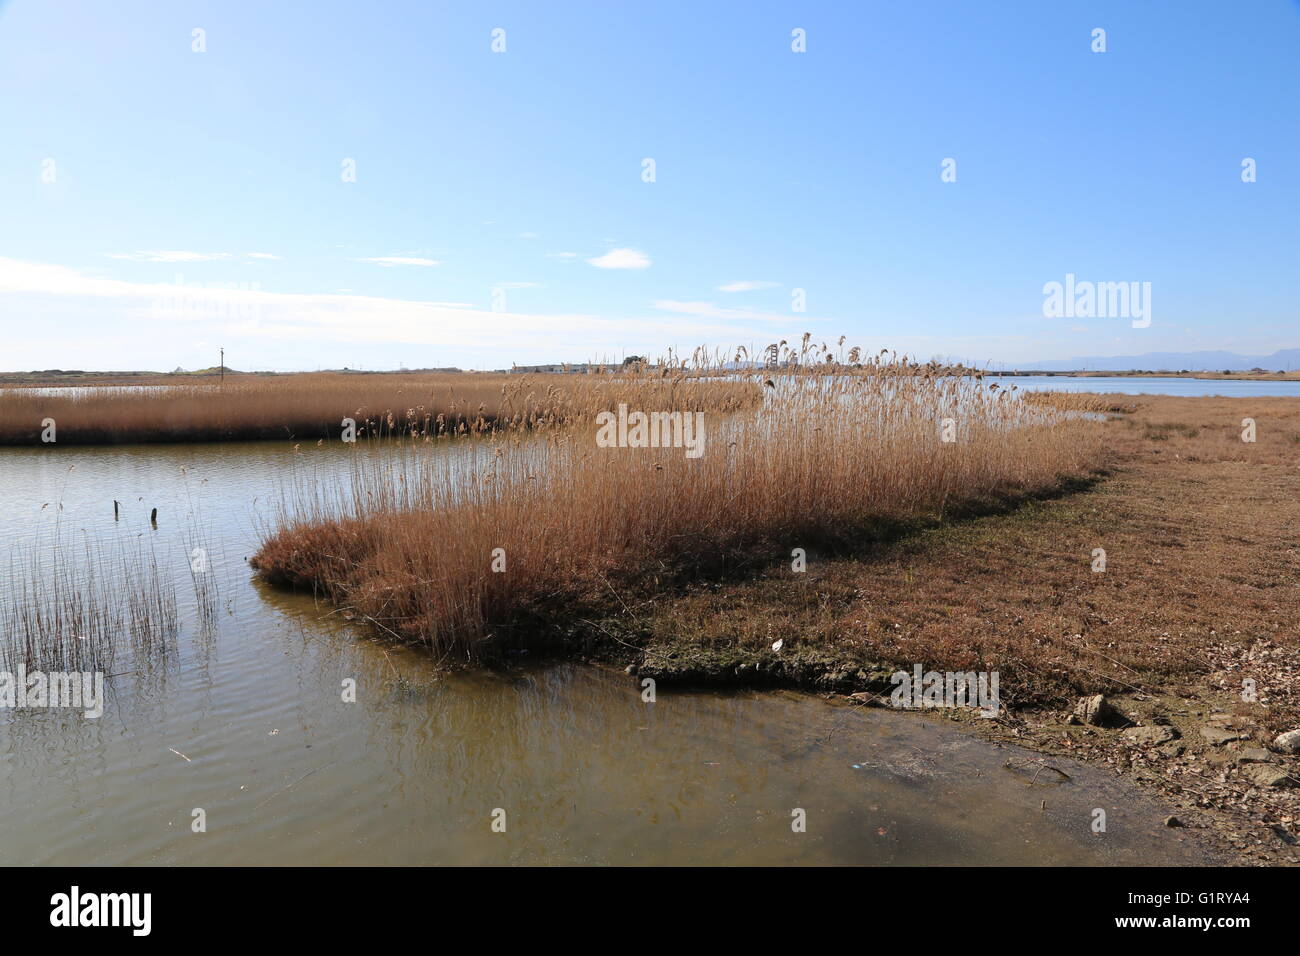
[{"x": 574, "y": 368}]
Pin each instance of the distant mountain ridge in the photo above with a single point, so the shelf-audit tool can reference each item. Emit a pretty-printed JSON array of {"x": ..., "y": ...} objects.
[{"x": 1211, "y": 361}]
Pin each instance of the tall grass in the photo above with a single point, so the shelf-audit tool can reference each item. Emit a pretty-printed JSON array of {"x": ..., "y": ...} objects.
[
  {"x": 1083, "y": 402},
  {"x": 840, "y": 453},
  {"x": 313, "y": 406},
  {"x": 150, "y": 600},
  {"x": 78, "y": 610}
]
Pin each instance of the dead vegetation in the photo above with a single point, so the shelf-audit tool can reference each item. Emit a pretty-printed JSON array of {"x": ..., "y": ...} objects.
[
  {"x": 1198, "y": 529},
  {"x": 313, "y": 406},
  {"x": 839, "y": 457},
  {"x": 1082, "y": 402}
]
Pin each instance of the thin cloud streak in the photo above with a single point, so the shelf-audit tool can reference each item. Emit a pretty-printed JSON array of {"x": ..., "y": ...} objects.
[
  {"x": 170, "y": 255},
  {"x": 321, "y": 318},
  {"x": 710, "y": 311},
  {"x": 388, "y": 261},
  {"x": 621, "y": 259}
]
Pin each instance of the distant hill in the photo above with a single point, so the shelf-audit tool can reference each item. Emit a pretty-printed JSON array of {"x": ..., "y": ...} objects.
[{"x": 1284, "y": 361}]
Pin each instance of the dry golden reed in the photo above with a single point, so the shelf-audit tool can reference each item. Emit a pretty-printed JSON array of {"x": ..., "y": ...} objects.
[
  {"x": 312, "y": 406},
  {"x": 1083, "y": 402},
  {"x": 840, "y": 452}
]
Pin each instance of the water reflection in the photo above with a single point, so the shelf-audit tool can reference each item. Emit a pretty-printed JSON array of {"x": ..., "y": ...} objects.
[{"x": 1136, "y": 385}]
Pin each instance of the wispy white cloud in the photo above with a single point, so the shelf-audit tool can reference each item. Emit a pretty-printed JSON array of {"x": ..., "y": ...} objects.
[
  {"x": 262, "y": 255},
  {"x": 621, "y": 259},
  {"x": 170, "y": 255},
  {"x": 400, "y": 261},
  {"x": 744, "y": 285},
  {"x": 710, "y": 311},
  {"x": 326, "y": 320},
  {"x": 516, "y": 285},
  {"x": 311, "y": 329}
]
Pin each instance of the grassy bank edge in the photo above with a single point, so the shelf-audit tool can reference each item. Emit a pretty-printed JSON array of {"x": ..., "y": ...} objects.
[{"x": 612, "y": 632}]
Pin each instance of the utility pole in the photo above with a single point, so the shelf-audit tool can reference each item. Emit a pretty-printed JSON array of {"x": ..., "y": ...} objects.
[{"x": 223, "y": 366}]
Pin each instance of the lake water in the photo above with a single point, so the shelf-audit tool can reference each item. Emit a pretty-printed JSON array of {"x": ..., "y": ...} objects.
[
  {"x": 246, "y": 721},
  {"x": 1148, "y": 386}
]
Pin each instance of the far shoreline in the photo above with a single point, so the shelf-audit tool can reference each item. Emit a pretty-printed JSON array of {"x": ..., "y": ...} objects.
[
  {"x": 1251, "y": 376},
  {"x": 76, "y": 378}
]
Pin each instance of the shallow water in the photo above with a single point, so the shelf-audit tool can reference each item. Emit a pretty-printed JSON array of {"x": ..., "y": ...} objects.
[
  {"x": 83, "y": 391},
  {"x": 1126, "y": 385},
  {"x": 247, "y": 722}
]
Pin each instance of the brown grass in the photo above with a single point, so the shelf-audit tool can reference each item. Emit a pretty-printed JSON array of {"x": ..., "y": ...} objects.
[
  {"x": 831, "y": 461},
  {"x": 1082, "y": 401},
  {"x": 313, "y": 406},
  {"x": 1202, "y": 585}
]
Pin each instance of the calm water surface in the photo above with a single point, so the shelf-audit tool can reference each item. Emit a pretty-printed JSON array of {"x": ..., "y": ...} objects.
[
  {"x": 1126, "y": 385},
  {"x": 247, "y": 723}
]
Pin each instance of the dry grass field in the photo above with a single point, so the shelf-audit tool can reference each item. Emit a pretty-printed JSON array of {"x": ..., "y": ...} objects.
[
  {"x": 312, "y": 406},
  {"x": 1203, "y": 563}
]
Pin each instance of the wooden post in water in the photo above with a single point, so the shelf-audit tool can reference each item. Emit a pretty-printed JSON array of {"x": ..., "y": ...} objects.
[
  {"x": 153, "y": 517},
  {"x": 115, "y": 509}
]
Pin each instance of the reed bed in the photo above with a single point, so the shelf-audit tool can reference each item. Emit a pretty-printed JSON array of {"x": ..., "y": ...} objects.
[
  {"x": 206, "y": 595},
  {"x": 77, "y": 611},
  {"x": 1083, "y": 402},
  {"x": 312, "y": 406},
  {"x": 60, "y": 617},
  {"x": 151, "y": 616},
  {"x": 201, "y": 562},
  {"x": 476, "y": 559}
]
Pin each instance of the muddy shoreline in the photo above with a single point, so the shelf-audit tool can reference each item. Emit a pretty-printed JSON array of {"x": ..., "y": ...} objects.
[{"x": 1238, "y": 823}]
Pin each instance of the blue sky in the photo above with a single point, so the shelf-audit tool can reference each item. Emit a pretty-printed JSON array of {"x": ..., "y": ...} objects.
[{"x": 499, "y": 212}]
